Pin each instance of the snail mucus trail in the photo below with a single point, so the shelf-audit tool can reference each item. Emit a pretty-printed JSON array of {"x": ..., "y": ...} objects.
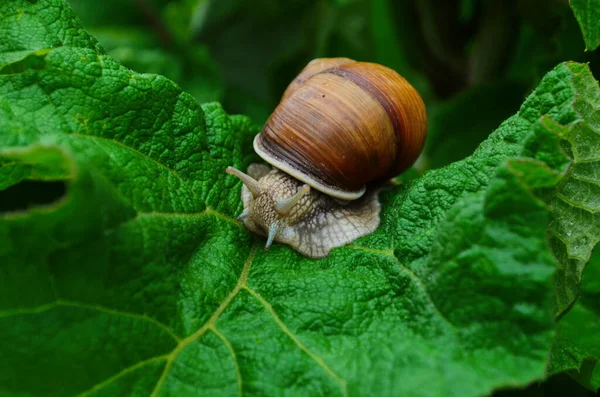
[{"x": 342, "y": 129}]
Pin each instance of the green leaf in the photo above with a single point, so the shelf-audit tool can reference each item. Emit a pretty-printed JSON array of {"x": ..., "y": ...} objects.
[
  {"x": 576, "y": 348},
  {"x": 138, "y": 38},
  {"x": 574, "y": 228},
  {"x": 137, "y": 281},
  {"x": 587, "y": 13}
]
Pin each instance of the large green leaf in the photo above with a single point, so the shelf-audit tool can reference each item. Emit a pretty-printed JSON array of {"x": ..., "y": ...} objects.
[
  {"x": 587, "y": 13},
  {"x": 575, "y": 220},
  {"x": 137, "y": 281}
]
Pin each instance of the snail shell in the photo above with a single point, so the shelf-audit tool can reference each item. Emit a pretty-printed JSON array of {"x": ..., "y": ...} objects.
[
  {"x": 344, "y": 124},
  {"x": 342, "y": 128}
]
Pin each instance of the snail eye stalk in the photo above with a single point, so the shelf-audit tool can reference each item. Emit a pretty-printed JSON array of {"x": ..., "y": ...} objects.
[
  {"x": 284, "y": 206},
  {"x": 251, "y": 183}
]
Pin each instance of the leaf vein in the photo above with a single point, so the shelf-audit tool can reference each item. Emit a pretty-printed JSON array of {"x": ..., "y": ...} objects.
[
  {"x": 416, "y": 279},
  {"x": 122, "y": 373},
  {"x": 207, "y": 211},
  {"x": 269, "y": 308},
  {"x": 573, "y": 204},
  {"x": 589, "y": 180},
  {"x": 229, "y": 346},
  {"x": 137, "y": 152},
  {"x": 586, "y": 160},
  {"x": 80, "y": 305},
  {"x": 209, "y": 323}
]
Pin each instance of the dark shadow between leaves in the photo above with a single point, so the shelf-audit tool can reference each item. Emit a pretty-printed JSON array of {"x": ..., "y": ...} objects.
[
  {"x": 556, "y": 386},
  {"x": 27, "y": 194}
]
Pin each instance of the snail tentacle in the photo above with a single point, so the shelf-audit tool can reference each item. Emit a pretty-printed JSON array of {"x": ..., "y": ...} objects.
[
  {"x": 273, "y": 229},
  {"x": 284, "y": 206},
  {"x": 243, "y": 215},
  {"x": 251, "y": 183}
]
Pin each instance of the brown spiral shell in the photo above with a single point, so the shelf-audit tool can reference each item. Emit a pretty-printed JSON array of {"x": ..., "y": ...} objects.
[{"x": 343, "y": 124}]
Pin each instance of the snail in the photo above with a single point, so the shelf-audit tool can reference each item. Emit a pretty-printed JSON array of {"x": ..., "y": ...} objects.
[{"x": 342, "y": 129}]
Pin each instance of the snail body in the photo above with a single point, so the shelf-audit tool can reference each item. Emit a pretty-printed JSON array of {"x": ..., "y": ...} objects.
[{"x": 341, "y": 130}]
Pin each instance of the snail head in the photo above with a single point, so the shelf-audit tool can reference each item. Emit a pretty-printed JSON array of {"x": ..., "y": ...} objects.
[{"x": 272, "y": 201}]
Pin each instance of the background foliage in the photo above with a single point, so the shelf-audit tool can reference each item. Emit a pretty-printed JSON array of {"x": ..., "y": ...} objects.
[
  {"x": 475, "y": 63},
  {"x": 457, "y": 53}
]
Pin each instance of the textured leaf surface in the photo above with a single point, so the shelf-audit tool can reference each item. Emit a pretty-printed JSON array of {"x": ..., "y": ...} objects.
[
  {"x": 587, "y": 13},
  {"x": 137, "y": 281},
  {"x": 154, "y": 51},
  {"x": 577, "y": 347},
  {"x": 574, "y": 228}
]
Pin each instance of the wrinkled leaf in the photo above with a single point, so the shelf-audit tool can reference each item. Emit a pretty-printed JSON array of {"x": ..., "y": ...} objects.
[
  {"x": 138, "y": 281},
  {"x": 574, "y": 228}
]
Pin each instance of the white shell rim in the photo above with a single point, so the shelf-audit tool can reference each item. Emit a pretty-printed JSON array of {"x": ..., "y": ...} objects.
[{"x": 304, "y": 178}]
